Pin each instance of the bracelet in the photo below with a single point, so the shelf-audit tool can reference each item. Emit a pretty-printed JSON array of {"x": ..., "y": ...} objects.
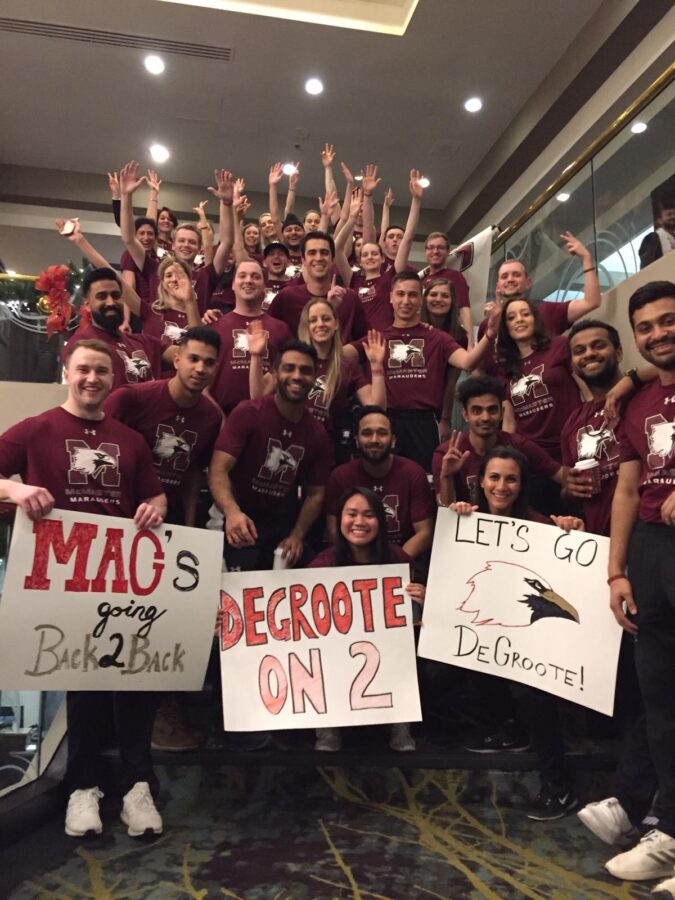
[
  {"x": 615, "y": 578},
  {"x": 591, "y": 269},
  {"x": 377, "y": 371}
]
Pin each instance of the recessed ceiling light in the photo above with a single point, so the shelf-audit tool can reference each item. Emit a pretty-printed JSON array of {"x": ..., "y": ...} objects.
[
  {"x": 473, "y": 104},
  {"x": 358, "y": 177},
  {"x": 154, "y": 64},
  {"x": 289, "y": 169},
  {"x": 424, "y": 182},
  {"x": 638, "y": 127},
  {"x": 10, "y": 272},
  {"x": 562, "y": 197},
  {"x": 314, "y": 86},
  {"x": 159, "y": 153}
]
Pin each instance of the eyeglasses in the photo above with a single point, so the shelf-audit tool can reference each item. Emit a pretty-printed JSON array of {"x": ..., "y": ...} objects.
[{"x": 436, "y": 247}]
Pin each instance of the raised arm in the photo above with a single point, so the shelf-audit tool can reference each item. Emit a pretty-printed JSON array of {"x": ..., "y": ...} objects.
[
  {"x": 591, "y": 298},
  {"x": 239, "y": 251},
  {"x": 154, "y": 183},
  {"x": 275, "y": 176},
  {"x": 384, "y": 221},
  {"x": 416, "y": 193},
  {"x": 224, "y": 190},
  {"x": 207, "y": 232},
  {"x": 349, "y": 187},
  {"x": 469, "y": 359},
  {"x": 327, "y": 159},
  {"x": 344, "y": 236},
  {"x": 130, "y": 181},
  {"x": 369, "y": 183},
  {"x": 328, "y": 207},
  {"x": 114, "y": 185},
  {"x": 293, "y": 179}
]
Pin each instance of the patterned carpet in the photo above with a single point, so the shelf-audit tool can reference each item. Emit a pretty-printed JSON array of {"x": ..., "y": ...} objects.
[{"x": 323, "y": 833}]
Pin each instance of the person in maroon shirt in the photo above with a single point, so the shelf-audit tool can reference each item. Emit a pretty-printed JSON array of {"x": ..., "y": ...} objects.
[
  {"x": 457, "y": 461},
  {"x": 267, "y": 449},
  {"x": 275, "y": 262},
  {"x": 416, "y": 367},
  {"x": 231, "y": 383},
  {"x": 642, "y": 563},
  {"x": 318, "y": 258},
  {"x": 401, "y": 484},
  {"x": 143, "y": 279},
  {"x": 362, "y": 540},
  {"x": 437, "y": 250},
  {"x": 75, "y": 457}
]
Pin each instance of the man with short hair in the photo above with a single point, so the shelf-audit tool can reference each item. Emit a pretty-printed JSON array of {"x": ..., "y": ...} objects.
[
  {"x": 143, "y": 279},
  {"x": 401, "y": 483},
  {"x": 642, "y": 564},
  {"x": 436, "y": 251},
  {"x": 456, "y": 462},
  {"x": 231, "y": 382},
  {"x": 318, "y": 258},
  {"x": 276, "y": 261},
  {"x": 390, "y": 242},
  {"x": 267, "y": 449},
  {"x": 47, "y": 452}
]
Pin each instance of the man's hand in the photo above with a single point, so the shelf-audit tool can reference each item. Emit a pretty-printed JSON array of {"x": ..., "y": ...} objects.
[
  {"x": 211, "y": 316},
  {"x": 240, "y": 530},
  {"x": 125, "y": 328},
  {"x": 239, "y": 187},
  {"x": 327, "y": 156},
  {"x": 462, "y": 508},
  {"x": 294, "y": 177},
  {"x": 620, "y": 594},
  {"x": 147, "y": 517},
  {"x": 328, "y": 203},
  {"x": 241, "y": 206},
  {"x": 493, "y": 321},
  {"x": 375, "y": 349},
  {"x": 154, "y": 181},
  {"x": 292, "y": 548},
  {"x": 257, "y": 338},
  {"x": 388, "y": 197},
  {"x": 335, "y": 293},
  {"x": 668, "y": 510},
  {"x": 200, "y": 209},
  {"x": 416, "y": 189},
  {"x": 36, "y": 502},
  {"x": 346, "y": 171},
  {"x": 224, "y": 189},
  {"x": 579, "y": 485},
  {"x": 574, "y": 246},
  {"x": 276, "y": 174},
  {"x": 129, "y": 178},
  {"x": 568, "y": 523},
  {"x": 114, "y": 185},
  {"x": 355, "y": 203},
  {"x": 454, "y": 459},
  {"x": 75, "y": 234},
  {"x": 370, "y": 179}
]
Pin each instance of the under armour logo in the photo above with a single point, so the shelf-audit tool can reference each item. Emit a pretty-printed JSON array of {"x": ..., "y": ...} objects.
[
  {"x": 180, "y": 418},
  {"x": 90, "y": 431},
  {"x": 285, "y": 433},
  {"x": 378, "y": 487},
  {"x": 670, "y": 399}
]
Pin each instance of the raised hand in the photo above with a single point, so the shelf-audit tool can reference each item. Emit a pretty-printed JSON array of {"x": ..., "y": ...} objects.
[
  {"x": 388, "y": 197},
  {"x": 493, "y": 321},
  {"x": 239, "y": 187},
  {"x": 276, "y": 174},
  {"x": 335, "y": 293},
  {"x": 181, "y": 287},
  {"x": 328, "y": 203},
  {"x": 370, "y": 179},
  {"x": 574, "y": 246},
  {"x": 114, "y": 185},
  {"x": 454, "y": 459},
  {"x": 199, "y": 209},
  {"x": 154, "y": 181},
  {"x": 257, "y": 338},
  {"x": 416, "y": 189},
  {"x": 294, "y": 177},
  {"x": 129, "y": 178},
  {"x": 224, "y": 189},
  {"x": 69, "y": 228},
  {"x": 375, "y": 349},
  {"x": 349, "y": 178},
  {"x": 328, "y": 155},
  {"x": 355, "y": 203},
  {"x": 241, "y": 206}
]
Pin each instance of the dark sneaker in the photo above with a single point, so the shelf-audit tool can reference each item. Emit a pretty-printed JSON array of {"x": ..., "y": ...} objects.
[
  {"x": 500, "y": 742},
  {"x": 550, "y": 805}
]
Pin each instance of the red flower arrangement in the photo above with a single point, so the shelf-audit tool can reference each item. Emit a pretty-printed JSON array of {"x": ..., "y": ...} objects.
[{"x": 54, "y": 282}]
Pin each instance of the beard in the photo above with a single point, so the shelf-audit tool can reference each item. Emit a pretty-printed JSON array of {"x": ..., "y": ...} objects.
[
  {"x": 666, "y": 363},
  {"x": 604, "y": 379},
  {"x": 376, "y": 456},
  {"x": 110, "y": 321}
]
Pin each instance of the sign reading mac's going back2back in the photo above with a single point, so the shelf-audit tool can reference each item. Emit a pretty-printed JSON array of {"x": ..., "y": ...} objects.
[
  {"x": 524, "y": 601},
  {"x": 92, "y": 603}
]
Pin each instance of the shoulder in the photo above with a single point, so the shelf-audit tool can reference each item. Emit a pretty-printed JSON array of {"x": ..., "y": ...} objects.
[
  {"x": 346, "y": 473},
  {"x": 398, "y": 554},
  {"x": 411, "y": 469},
  {"x": 324, "y": 559}
]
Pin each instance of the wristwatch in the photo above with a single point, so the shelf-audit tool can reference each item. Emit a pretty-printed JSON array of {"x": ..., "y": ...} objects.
[{"x": 635, "y": 378}]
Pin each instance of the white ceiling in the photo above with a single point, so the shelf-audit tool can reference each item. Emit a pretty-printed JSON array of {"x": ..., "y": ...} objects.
[{"x": 393, "y": 100}]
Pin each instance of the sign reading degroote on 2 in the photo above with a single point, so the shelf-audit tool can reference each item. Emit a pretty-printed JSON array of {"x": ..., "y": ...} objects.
[
  {"x": 316, "y": 648},
  {"x": 92, "y": 603},
  {"x": 524, "y": 601}
]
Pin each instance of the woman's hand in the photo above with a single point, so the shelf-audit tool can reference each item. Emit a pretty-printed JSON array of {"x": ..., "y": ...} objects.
[
  {"x": 462, "y": 508},
  {"x": 257, "y": 338},
  {"x": 568, "y": 523},
  {"x": 375, "y": 349},
  {"x": 416, "y": 592}
]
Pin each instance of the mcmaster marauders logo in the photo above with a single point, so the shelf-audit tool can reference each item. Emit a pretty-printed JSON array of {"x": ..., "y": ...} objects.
[
  {"x": 528, "y": 386},
  {"x": 594, "y": 443},
  {"x": 317, "y": 392},
  {"x": 390, "y": 503},
  {"x": 100, "y": 463},
  {"x": 281, "y": 464},
  {"x": 410, "y": 354},
  {"x": 174, "y": 448},
  {"x": 137, "y": 366},
  {"x": 661, "y": 441}
]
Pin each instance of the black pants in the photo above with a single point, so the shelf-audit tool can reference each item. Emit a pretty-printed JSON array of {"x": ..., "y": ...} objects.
[
  {"x": 271, "y": 531},
  {"x": 89, "y": 714},
  {"x": 539, "y": 713},
  {"x": 416, "y": 433},
  {"x": 651, "y": 570}
]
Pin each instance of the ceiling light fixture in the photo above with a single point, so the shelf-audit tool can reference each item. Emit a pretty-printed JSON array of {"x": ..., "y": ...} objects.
[
  {"x": 358, "y": 177},
  {"x": 289, "y": 169},
  {"x": 159, "y": 153},
  {"x": 154, "y": 64},
  {"x": 424, "y": 182},
  {"x": 638, "y": 127},
  {"x": 314, "y": 86},
  {"x": 473, "y": 104},
  {"x": 562, "y": 197},
  {"x": 10, "y": 272}
]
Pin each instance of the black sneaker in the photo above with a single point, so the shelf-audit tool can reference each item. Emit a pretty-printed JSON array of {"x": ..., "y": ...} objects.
[
  {"x": 500, "y": 742},
  {"x": 550, "y": 804}
]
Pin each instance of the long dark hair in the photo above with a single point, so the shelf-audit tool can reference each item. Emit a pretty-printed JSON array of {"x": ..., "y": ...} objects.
[
  {"x": 451, "y": 324},
  {"x": 521, "y": 508},
  {"x": 509, "y": 359},
  {"x": 381, "y": 553}
]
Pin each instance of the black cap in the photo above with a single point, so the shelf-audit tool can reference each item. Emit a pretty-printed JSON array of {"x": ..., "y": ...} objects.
[
  {"x": 275, "y": 245},
  {"x": 291, "y": 219}
]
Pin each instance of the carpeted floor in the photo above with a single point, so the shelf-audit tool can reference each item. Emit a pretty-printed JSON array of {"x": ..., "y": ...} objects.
[{"x": 321, "y": 833}]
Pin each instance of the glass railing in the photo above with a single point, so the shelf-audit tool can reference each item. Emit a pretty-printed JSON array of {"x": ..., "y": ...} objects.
[{"x": 604, "y": 198}]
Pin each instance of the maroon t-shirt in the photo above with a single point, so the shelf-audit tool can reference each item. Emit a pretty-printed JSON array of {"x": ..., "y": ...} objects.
[
  {"x": 465, "y": 481},
  {"x": 585, "y": 436},
  {"x": 404, "y": 491},
  {"x": 136, "y": 357},
  {"x": 204, "y": 280},
  {"x": 457, "y": 280},
  {"x": 100, "y": 467},
  {"x": 178, "y": 436},
  {"x": 290, "y": 302},
  {"x": 545, "y": 395},
  {"x": 351, "y": 380},
  {"x": 274, "y": 455},
  {"x": 649, "y": 435},
  {"x": 415, "y": 366},
  {"x": 555, "y": 317},
  {"x": 147, "y": 278},
  {"x": 272, "y": 288},
  {"x": 167, "y": 325},
  {"x": 326, "y": 559},
  {"x": 375, "y": 295},
  {"x": 230, "y": 385}
]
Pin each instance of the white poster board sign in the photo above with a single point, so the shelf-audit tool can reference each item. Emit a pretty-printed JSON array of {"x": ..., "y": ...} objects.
[
  {"x": 524, "y": 601},
  {"x": 92, "y": 603},
  {"x": 472, "y": 259},
  {"x": 316, "y": 648}
]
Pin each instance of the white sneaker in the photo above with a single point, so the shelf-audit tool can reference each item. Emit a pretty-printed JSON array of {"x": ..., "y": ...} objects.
[
  {"x": 328, "y": 739},
  {"x": 400, "y": 738},
  {"x": 139, "y": 813},
  {"x": 665, "y": 889},
  {"x": 82, "y": 814},
  {"x": 607, "y": 820},
  {"x": 653, "y": 857}
]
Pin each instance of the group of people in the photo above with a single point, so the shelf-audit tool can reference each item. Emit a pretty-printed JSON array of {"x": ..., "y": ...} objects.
[{"x": 317, "y": 384}]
